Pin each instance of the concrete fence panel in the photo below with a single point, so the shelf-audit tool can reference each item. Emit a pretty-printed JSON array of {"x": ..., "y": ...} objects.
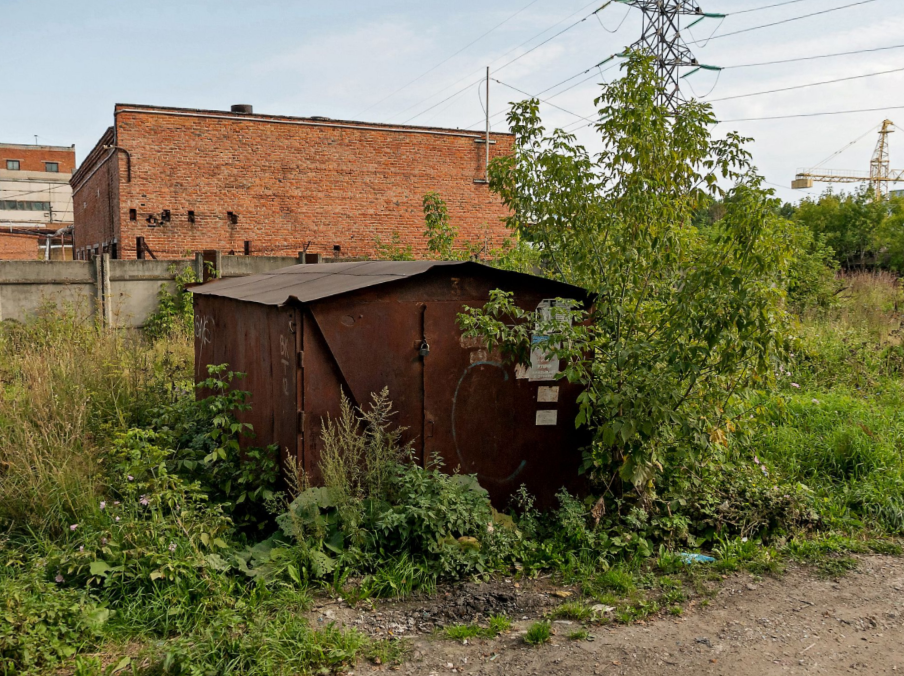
[
  {"x": 27, "y": 286},
  {"x": 124, "y": 292}
]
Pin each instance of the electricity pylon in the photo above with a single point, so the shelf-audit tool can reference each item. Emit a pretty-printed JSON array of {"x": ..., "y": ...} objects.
[{"x": 661, "y": 38}]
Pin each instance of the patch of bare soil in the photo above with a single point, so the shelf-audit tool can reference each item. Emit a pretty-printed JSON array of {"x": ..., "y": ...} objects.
[{"x": 796, "y": 624}]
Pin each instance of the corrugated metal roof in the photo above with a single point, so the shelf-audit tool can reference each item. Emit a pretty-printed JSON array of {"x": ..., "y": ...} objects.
[{"x": 307, "y": 283}]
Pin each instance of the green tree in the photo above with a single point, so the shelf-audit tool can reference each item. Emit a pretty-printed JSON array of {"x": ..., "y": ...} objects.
[
  {"x": 683, "y": 321},
  {"x": 850, "y": 224},
  {"x": 440, "y": 232}
]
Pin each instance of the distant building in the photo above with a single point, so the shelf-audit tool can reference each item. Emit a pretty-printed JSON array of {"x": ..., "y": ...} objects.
[
  {"x": 166, "y": 182},
  {"x": 35, "y": 201},
  {"x": 896, "y": 193}
]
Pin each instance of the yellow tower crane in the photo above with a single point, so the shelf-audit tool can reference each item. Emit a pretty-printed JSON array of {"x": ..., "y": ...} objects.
[{"x": 879, "y": 175}]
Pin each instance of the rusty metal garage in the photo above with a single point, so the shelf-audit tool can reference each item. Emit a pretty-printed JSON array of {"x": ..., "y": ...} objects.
[{"x": 305, "y": 333}]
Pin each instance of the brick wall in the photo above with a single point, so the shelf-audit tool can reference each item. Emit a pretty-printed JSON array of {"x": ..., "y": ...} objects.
[
  {"x": 287, "y": 181},
  {"x": 33, "y": 158},
  {"x": 95, "y": 204},
  {"x": 18, "y": 247}
]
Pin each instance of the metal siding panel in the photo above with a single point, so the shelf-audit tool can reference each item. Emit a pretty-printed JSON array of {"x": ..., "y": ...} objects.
[{"x": 375, "y": 345}]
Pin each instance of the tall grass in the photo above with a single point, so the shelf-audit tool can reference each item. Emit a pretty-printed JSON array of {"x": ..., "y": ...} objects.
[
  {"x": 859, "y": 341},
  {"x": 66, "y": 388},
  {"x": 836, "y": 424}
]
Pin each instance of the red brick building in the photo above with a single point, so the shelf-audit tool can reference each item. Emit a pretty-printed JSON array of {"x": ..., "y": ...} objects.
[
  {"x": 170, "y": 181},
  {"x": 35, "y": 201}
]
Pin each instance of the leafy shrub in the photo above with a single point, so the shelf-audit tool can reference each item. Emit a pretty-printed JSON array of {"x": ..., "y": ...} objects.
[
  {"x": 42, "y": 625},
  {"x": 159, "y": 529},
  {"x": 682, "y": 320},
  {"x": 204, "y": 436},
  {"x": 378, "y": 508},
  {"x": 175, "y": 313}
]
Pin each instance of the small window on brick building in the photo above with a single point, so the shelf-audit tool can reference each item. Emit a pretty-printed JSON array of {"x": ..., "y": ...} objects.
[
  {"x": 191, "y": 216},
  {"x": 232, "y": 217},
  {"x": 12, "y": 165},
  {"x": 52, "y": 167},
  {"x": 166, "y": 216},
  {"x": 133, "y": 214}
]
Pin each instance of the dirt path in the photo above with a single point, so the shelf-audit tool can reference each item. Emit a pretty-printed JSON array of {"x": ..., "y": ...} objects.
[{"x": 793, "y": 625}]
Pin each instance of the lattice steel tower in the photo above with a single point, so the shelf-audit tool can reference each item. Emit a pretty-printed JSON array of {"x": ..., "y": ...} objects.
[{"x": 661, "y": 37}]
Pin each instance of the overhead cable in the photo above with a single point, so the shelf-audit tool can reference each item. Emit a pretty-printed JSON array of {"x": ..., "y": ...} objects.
[
  {"x": 777, "y": 23},
  {"x": 834, "y": 112},
  {"x": 451, "y": 96},
  {"x": 513, "y": 49},
  {"x": 757, "y": 9},
  {"x": 521, "y": 91},
  {"x": 811, "y": 58},
  {"x": 450, "y": 57},
  {"x": 810, "y": 84}
]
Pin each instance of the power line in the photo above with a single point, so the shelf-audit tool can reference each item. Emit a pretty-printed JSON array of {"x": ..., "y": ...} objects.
[
  {"x": 513, "y": 49},
  {"x": 521, "y": 91},
  {"x": 576, "y": 84},
  {"x": 447, "y": 59},
  {"x": 835, "y": 112},
  {"x": 778, "y": 23},
  {"x": 552, "y": 37},
  {"x": 757, "y": 9},
  {"x": 811, "y": 84},
  {"x": 451, "y": 96},
  {"x": 810, "y": 58}
]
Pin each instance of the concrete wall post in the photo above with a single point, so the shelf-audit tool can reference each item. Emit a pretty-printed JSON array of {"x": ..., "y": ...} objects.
[
  {"x": 107, "y": 296},
  {"x": 199, "y": 266}
]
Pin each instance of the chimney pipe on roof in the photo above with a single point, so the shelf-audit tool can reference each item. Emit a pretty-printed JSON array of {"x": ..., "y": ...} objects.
[{"x": 245, "y": 108}]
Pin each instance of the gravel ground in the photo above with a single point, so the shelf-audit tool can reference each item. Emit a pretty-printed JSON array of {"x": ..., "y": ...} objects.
[{"x": 796, "y": 624}]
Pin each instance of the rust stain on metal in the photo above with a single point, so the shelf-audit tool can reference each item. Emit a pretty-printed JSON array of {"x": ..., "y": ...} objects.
[{"x": 306, "y": 333}]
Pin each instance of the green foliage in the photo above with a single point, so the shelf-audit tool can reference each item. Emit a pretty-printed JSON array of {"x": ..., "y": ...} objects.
[
  {"x": 204, "y": 436},
  {"x": 440, "y": 232},
  {"x": 42, "y": 625},
  {"x": 812, "y": 281},
  {"x": 394, "y": 250},
  {"x": 861, "y": 231},
  {"x": 155, "y": 529},
  {"x": 579, "y": 635},
  {"x": 384, "y": 516},
  {"x": 262, "y": 644},
  {"x": 496, "y": 625},
  {"x": 175, "y": 310},
  {"x": 844, "y": 449},
  {"x": 67, "y": 387},
  {"x": 537, "y": 633},
  {"x": 572, "y": 610},
  {"x": 682, "y": 321}
]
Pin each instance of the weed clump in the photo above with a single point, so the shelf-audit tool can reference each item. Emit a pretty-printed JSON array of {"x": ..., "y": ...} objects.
[
  {"x": 538, "y": 633},
  {"x": 384, "y": 516}
]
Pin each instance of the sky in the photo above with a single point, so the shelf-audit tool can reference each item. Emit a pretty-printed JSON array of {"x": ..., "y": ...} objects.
[{"x": 65, "y": 64}]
